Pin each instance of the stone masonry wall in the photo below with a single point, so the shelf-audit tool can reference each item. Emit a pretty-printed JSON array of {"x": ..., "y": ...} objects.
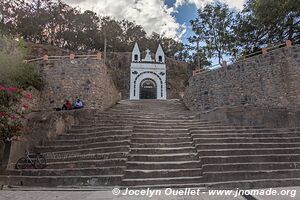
[
  {"x": 269, "y": 80},
  {"x": 84, "y": 78}
]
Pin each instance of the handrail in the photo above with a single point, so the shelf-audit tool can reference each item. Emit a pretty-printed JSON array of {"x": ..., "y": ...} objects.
[
  {"x": 97, "y": 56},
  {"x": 287, "y": 43}
]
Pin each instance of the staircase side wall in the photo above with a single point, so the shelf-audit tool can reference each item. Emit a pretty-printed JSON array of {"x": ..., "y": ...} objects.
[
  {"x": 83, "y": 78},
  {"x": 269, "y": 80},
  {"x": 44, "y": 126}
]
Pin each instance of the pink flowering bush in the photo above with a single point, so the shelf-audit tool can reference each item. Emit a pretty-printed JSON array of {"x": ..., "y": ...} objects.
[
  {"x": 12, "y": 115},
  {"x": 14, "y": 77}
]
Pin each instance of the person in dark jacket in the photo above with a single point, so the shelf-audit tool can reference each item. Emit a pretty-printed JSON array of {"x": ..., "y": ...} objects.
[{"x": 78, "y": 104}]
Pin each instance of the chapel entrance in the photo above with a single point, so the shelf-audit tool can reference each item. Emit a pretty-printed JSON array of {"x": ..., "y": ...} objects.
[{"x": 148, "y": 89}]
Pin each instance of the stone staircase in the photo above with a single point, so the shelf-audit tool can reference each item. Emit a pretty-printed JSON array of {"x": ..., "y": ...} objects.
[
  {"x": 142, "y": 144},
  {"x": 248, "y": 157},
  {"x": 163, "y": 155}
]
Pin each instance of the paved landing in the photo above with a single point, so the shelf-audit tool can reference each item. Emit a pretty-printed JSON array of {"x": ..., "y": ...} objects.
[
  {"x": 289, "y": 193},
  {"x": 98, "y": 195}
]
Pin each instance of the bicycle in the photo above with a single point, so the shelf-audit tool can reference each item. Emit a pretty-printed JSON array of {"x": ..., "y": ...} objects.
[{"x": 35, "y": 160}]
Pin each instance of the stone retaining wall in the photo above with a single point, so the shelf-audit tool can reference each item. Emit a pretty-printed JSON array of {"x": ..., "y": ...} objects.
[
  {"x": 84, "y": 78},
  {"x": 269, "y": 80},
  {"x": 254, "y": 116},
  {"x": 44, "y": 126}
]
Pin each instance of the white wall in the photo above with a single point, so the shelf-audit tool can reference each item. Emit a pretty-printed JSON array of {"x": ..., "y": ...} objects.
[{"x": 148, "y": 70}]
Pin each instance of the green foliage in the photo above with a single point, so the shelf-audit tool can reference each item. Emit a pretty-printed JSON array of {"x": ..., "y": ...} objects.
[
  {"x": 263, "y": 22},
  {"x": 56, "y": 23},
  {"x": 213, "y": 26},
  {"x": 12, "y": 71},
  {"x": 11, "y": 115},
  {"x": 17, "y": 75},
  {"x": 222, "y": 31}
]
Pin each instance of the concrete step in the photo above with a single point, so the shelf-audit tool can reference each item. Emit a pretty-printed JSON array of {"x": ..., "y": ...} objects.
[
  {"x": 136, "y": 119},
  {"x": 260, "y": 151},
  {"x": 148, "y": 115},
  {"x": 87, "y": 163},
  {"x": 170, "y": 126},
  {"x": 81, "y": 141},
  {"x": 54, "y": 181},
  {"x": 161, "y": 173},
  {"x": 250, "y": 158},
  {"x": 125, "y": 113},
  {"x": 163, "y": 158},
  {"x": 251, "y": 145},
  {"x": 220, "y": 167},
  {"x": 245, "y": 140},
  {"x": 97, "y": 130},
  {"x": 157, "y": 135},
  {"x": 162, "y": 150},
  {"x": 86, "y": 129},
  {"x": 194, "y": 123},
  {"x": 156, "y": 130},
  {"x": 126, "y": 122},
  {"x": 162, "y": 145},
  {"x": 234, "y": 130},
  {"x": 57, "y": 157},
  {"x": 247, "y": 135},
  {"x": 124, "y": 148},
  {"x": 226, "y": 126},
  {"x": 72, "y": 145},
  {"x": 144, "y": 125},
  {"x": 94, "y": 134},
  {"x": 164, "y": 165},
  {"x": 160, "y": 181},
  {"x": 68, "y": 171},
  {"x": 143, "y": 118},
  {"x": 200, "y": 186},
  {"x": 160, "y": 140}
]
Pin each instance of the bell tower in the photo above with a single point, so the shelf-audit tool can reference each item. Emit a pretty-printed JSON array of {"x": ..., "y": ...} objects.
[
  {"x": 136, "y": 54},
  {"x": 148, "y": 75}
]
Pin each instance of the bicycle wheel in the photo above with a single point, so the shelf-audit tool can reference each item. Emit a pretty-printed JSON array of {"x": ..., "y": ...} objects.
[
  {"x": 22, "y": 163},
  {"x": 40, "y": 162}
]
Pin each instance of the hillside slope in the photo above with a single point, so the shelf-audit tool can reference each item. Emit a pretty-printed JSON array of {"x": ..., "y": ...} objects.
[
  {"x": 178, "y": 74},
  {"x": 118, "y": 63}
]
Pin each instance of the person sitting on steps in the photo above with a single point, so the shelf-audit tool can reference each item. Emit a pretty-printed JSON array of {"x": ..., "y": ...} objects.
[
  {"x": 67, "y": 105},
  {"x": 78, "y": 104}
]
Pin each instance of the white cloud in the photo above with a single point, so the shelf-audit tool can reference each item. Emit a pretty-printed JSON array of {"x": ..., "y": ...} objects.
[
  {"x": 238, "y": 4},
  {"x": 153, "y": 15}
]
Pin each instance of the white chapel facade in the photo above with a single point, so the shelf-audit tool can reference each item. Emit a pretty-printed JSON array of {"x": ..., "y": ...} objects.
[{"x": 148, "y": 76}]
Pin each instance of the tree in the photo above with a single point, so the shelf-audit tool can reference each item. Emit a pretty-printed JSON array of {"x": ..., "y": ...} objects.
[
  {"x": 283, "y": 18},
  {"x": 56, "y": 23},
  {"x": 214, "y": 28},
  {"x": 256, "y": 27},
  {"x": 132, "y": 33}
]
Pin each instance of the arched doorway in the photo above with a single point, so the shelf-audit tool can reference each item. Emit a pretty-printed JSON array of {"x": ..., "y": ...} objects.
[{"x": 148, "y": 89}]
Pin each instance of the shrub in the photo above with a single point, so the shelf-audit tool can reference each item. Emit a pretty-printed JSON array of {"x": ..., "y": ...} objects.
[
  {"x": 13, "y": 71},
  {"x": 12, "y": 115},
  {"x": 14, "y": 77}
]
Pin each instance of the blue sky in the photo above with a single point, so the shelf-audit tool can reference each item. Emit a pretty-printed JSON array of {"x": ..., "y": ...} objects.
[
  {"x": 168, "y": 17},
  {"x": 183, "y": 15}
]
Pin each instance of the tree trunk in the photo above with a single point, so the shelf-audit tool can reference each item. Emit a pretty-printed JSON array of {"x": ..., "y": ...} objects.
[{"x": 6, "y": 153}]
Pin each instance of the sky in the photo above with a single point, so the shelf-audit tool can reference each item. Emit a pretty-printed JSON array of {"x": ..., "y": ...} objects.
[{"x": 170, "y": 17}]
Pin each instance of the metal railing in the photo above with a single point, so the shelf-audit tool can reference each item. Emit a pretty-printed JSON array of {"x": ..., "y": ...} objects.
[
  {"x": 243, "y": 58},
  {"x": 97, "y": 56}
]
